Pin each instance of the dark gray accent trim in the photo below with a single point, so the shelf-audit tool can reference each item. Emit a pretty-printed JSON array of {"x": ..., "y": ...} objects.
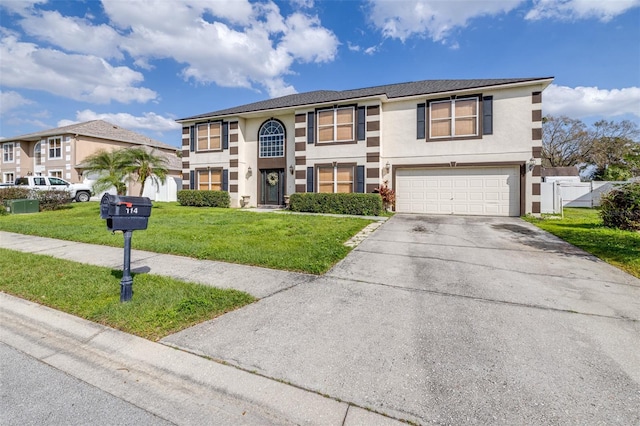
[
  {"x": 360, "y": 179},
  {"x": 421, "y": 120},
  {"x": 310, "y": 179},
  {"x": 361, "y": 129},
  {"x": 225, "y": 135},
  {"x": 487, "y": 115},
  {"x": 225, "y": 179},
  {"x": 192, "y": 179},
  {"x": 311, "y": 120}
]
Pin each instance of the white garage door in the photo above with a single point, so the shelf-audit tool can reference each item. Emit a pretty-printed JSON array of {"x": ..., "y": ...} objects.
[{"x": 487, "y": 191}]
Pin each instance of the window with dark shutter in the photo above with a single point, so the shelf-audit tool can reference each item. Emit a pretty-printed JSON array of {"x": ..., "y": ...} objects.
[
  {"x": 310, "y": 179},
  {"x": 361, "y": 123},
  {"x": 225, "y": 179},
  {"x": 487, "y": 115},
  {"x": 311, "y": 127},
  {"x": 360, "y": 179},
  {"x": 421, "y": 120},
  {"x": 225, "y": 135}
]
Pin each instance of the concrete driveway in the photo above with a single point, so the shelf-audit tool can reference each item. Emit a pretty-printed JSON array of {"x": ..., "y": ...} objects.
[{"x": 450, "y": 320}]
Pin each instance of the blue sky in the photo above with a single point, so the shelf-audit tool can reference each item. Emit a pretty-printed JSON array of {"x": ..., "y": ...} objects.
[{"x": 143, "y": 64}]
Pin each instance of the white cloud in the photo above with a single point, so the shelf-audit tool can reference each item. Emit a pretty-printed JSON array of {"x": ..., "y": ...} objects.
[
  {"x": 73, "y": 34},
  {"x": 604, "y": 10},
  {"x": 11, "y": 100},
  {"x": 231, "y": 43},
  {"x": 20, "y": 7},
  {"x": 433, "y": 18},
  {"x": 581, "y": 102},
  {"x": 148, "y": 121},
  {"x": 79, "y": 77}
]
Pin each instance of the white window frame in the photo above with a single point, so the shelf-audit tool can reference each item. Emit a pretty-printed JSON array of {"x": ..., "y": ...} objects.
[
  {"x": 273, "y": 148},
  {"x": 8, "y": 152},
  {"x": 208, "y": 126},
  {"x": 453, "y": 118},
  {"x": 335, "y": 177},
  {"x": 58, "y": 140},
  {"x": 209, "y": 175},
  {"x": 335, "y": 124},
  {"x": 8, "y": 177},
  {"x": 56, "y": 174}
]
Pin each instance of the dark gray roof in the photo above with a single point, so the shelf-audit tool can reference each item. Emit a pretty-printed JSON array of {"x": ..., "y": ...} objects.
[
  {"x": 416, "y": 88},
  {"x": 95, "y": 128}
]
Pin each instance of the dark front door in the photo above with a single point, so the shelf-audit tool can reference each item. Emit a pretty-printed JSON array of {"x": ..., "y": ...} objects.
[{"x": 272, "y": 185}]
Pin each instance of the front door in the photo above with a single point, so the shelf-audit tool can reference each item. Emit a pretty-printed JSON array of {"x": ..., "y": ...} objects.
[{"x": 272, "y": 185}]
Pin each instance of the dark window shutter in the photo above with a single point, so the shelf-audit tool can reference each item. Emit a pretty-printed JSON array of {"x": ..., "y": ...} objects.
[
  {"x": 225, "y": 136},
  {"x": 361, "y": 123},
  {"x": 360, "y": 179},
  {"x": 192, "y": 179},
  {"x": 192, "y": 138},
  {"x": 311, "y": 127},
  {"x": 310, "y": 179},
  {"x": 225, "y": 179},
  {"x": 421, "y": 117},
  {"x": 487, "y": 115}
]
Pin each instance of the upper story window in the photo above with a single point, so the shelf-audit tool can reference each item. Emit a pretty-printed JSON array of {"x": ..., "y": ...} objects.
[
  {"x": 271, "y": 139},
  {"x": 8, "y": 152},
  {"x": 209, "y": 136},
  {"x": 453, "y": 118},
  {"x": 37, "y": 154},
  {"x": 336, "y": 124},
  {"x": 55, "y": 147}
]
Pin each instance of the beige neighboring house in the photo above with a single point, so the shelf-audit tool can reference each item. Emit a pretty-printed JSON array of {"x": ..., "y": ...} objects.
[
  {"x": 61, "y": 152},
  {"x": 468, "y": 147}
]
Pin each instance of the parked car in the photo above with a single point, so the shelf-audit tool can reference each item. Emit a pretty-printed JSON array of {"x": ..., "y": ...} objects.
[{"x": 77, "y": 191}]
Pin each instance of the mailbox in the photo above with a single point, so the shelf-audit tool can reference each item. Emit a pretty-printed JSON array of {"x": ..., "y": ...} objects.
[{"x": 125, "y": 213}]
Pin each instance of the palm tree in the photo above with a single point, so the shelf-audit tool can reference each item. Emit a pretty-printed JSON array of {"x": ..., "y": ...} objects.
[
  {"x": 144, "y": 164},
  {"x": 112, "y": 169}
]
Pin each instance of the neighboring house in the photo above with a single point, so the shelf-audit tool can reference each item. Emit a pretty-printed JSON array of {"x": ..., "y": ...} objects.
[
  {"x": 61, "y": 151},
  {"x": 469, "y": 147},
  {"x": 560, "y": 174}
]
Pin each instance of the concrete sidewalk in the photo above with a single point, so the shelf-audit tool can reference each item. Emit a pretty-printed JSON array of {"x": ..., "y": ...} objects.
[{"x": 175, "y": 385}]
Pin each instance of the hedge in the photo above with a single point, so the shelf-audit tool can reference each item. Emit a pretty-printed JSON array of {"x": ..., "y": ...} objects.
[
  {"x": 198, "y": 198},
  {"x": 48, "y": 200},
  {"x": 620, "y": 208},
  {"x": 351, "y": 203}
]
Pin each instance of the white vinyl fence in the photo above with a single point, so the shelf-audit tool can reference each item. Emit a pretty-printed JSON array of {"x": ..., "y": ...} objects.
[{"x": 558, "y": 194}]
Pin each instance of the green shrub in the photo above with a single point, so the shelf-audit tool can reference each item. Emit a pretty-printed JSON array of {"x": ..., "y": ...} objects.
[
  {"x": 197, "y": 198},
  {"x": 620, "y": 208},
  {"x": 14, "y": 193},
  {"x": 353, "y": 203},
  {"x": 52, "y": 199}
]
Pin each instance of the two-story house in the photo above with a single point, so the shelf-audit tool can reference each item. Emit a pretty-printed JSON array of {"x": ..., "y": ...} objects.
[
  {"x": 61, "y": 151},
  {"x": 469, "y": 147}
]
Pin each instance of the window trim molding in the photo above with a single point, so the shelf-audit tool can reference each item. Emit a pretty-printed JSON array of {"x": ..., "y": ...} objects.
[
  {"x": 209, "y": 170},
  {"x": 11, "y": 151},
  {"x": 208, "y": 123},
  {"x": 479, "y": 117},
  {"x": 49, "y": 139},
  {"x": 284, "y": 137},
  {"x": 335, "y": 167},
  {"x": 354, "y": 123}
]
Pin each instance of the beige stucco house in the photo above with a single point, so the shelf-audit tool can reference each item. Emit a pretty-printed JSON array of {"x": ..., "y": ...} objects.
[
  {"x": 61, "y": 151},
  {"x": 469, "y": 147}
]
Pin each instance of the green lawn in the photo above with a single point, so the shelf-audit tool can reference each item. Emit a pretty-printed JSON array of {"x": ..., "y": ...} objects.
[
  {"x": 583, "y": 228},
  {"x": 160, "y": 305},
  {"x": 303, "y": 243}
]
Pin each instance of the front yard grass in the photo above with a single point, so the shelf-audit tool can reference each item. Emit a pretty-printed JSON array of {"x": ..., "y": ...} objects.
[
  {"x": 302, "y": 243},
  {"x": 160, "y": 306},
  {"x": 583, "y": 228}
]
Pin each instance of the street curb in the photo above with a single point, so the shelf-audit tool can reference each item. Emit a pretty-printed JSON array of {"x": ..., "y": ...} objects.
[{"x": 174, "y": 385}]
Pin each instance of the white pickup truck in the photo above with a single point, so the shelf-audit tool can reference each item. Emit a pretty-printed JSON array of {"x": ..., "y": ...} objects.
[{"x": 77, "y": 191}]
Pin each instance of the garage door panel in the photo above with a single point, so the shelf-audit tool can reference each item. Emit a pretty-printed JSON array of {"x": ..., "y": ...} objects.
[{"x": 492, "y": 191}]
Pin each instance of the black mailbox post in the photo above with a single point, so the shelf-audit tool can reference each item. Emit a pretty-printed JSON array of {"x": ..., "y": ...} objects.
[{"x": 126, "y": 214}]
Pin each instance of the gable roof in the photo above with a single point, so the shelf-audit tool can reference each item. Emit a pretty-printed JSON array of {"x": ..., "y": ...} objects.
[
  {"x": 98, "y": 129},
  {"x": 391, "y": 91}
]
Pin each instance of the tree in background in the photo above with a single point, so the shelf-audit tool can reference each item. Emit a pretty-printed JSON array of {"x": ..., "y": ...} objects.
[
  {"x": 145, "y": 165},
  {"x": 609, "y": 146},
  {"x": 111, "y": 168},
  {"x": 563, "y": 140}
]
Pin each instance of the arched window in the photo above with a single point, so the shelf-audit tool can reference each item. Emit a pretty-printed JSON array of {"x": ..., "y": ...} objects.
[
  {"x": 37, "y": 155},
  {"x": 272, "y": 139}
]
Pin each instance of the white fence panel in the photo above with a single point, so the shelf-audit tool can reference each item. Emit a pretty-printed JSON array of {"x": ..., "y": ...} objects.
[
  {"x": 550, "y": 197},
  {"x": 576, "y": 194},
  {"x": 572, "y": 194}
]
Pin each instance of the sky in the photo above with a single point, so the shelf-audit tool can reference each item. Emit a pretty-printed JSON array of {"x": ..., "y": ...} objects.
[{"x": 144, "y": 64}]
